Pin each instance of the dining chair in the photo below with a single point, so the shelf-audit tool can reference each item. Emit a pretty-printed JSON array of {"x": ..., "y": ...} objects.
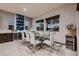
[
  {"x": 23, "y": 36},
  {"x": 27, "y": 36},
  {"x": 49, "y": 40},
  {"x": 41, "y": 33},
  {"x": 33, "y": 40}
]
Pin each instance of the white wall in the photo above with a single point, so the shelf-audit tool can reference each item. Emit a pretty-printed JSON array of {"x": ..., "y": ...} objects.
[
  {"x": 67, "y": 16},
  {"x": 4, "y": 19},
  {"x": 77, "y": 23}
]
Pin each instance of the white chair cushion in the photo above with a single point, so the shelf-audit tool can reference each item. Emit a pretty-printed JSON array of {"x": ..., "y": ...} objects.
[
  {"x": 41, "y": 33},
  {"x": 37, "y": 42},
  {"x": 47, "y": 42},
  {"x": 47, "y": 33}
]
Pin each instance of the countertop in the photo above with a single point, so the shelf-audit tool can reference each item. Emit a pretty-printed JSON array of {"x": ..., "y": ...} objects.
[{"x": 6, "y": 31}]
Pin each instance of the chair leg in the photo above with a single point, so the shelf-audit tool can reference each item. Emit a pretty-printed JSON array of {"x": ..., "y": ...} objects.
[
  {"x": 50, "y": 49},
  {"x": 23, "y": 42},
  {"x": 54, "y": 46},
  {"x": 34, "y": 49}
]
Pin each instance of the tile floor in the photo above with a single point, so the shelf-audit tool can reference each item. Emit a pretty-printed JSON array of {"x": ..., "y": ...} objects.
[{"x": 16, "y": 48}]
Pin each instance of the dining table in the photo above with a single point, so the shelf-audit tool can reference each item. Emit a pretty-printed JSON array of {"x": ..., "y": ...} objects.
[{"x": 41, "y": 37}]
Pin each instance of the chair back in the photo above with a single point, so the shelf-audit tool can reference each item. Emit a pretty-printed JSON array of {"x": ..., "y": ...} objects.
[
  {"x": 47, "y": 34},
  {"x": 23, "y": 36},
  {"x": 32, "y": 37},
  {"x": 52, "y": 37},
  {"x": 27, "y": 36}
]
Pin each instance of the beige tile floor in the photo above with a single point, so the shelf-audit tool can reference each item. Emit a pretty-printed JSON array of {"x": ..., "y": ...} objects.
[{"x": 16, "y": 48}]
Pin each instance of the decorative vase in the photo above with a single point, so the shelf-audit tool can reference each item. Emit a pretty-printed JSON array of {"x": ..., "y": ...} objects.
[{"x": 72, "y": 32}]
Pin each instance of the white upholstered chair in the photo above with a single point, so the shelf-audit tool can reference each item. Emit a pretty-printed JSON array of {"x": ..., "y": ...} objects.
[
  {"x": 32, "y": 39},
  {"x": 50, "y": 40},
  {"x": 25, "y": 36}
]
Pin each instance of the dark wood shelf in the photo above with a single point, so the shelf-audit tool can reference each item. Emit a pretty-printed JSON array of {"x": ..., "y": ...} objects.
[
  {"x": 71, "y": 42},
  {"x": 6, "y": 37}
]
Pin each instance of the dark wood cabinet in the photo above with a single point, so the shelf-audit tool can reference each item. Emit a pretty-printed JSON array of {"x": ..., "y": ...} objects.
[
  {"x": 17, "y": 36},
  {"x": 71, "y": 42},
  {"x": 6, "y": 37}
]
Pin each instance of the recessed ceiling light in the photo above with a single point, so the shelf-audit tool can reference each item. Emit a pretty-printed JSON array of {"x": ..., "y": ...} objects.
[{"x": 25, "y": 9}]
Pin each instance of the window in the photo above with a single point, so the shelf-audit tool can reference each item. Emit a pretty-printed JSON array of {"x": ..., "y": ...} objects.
[
  {"x": 52, "y": 23},
  {"x": 40, "y": 25},
  {"x": 11, "y": 27},
  {"x": 11, "y": 24},
  {"x": 77, "y": 6}
]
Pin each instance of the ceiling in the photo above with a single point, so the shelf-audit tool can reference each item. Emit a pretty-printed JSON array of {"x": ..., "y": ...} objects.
[{"x": 33, "y": 9}]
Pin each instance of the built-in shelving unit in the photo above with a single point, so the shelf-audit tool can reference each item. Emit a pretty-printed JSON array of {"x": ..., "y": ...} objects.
[
  {"x": 22, "y": 23},
  {"x": 26, "y": 23},
  {"x": 71, "y": 42},
  {"x": 19, "y": 22}
]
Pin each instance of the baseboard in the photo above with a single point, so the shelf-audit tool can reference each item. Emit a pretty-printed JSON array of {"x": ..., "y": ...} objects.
[{"x": 59, "y": 43}]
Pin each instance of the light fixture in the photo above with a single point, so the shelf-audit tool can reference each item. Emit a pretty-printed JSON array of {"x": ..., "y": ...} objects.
[{"x": 25, "y": 9}]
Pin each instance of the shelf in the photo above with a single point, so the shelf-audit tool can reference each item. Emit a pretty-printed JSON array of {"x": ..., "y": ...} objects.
[
  {"x": 20, "y": 22},
  {"x": 70, "y": 42},
  {"x": 70, "y": 47}
]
